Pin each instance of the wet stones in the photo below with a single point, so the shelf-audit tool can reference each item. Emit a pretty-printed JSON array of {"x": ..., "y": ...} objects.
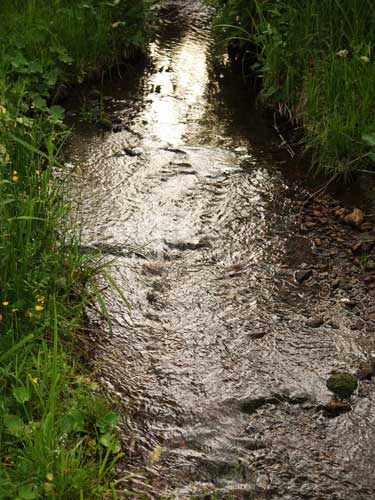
[
  {"x": 302, "y": 275},
  {"x": 315, "y": 322},
  {"x": 366, "y": 372},
  {"x": 342, "y": 384},
  {"x": 335, "y": 407}
]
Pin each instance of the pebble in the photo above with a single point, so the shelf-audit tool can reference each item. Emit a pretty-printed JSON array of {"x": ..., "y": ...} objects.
[
  {"x": 302, "y": 275},
  {"x": 335, "y": 407},
  {"x": 315, "y": 322},
  {"x": 355, "y": 218}
]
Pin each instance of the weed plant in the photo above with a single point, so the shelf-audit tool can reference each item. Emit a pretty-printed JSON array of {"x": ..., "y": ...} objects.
[
  {"x": 58, "y": 436},
  {"x": 316, "y": 62}
]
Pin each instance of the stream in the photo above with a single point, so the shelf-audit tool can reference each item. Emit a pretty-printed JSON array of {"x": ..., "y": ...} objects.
[{"x": 221, "y": 381}]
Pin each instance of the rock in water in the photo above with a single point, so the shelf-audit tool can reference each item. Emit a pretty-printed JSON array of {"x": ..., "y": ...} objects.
[
  {"x": 335, "y": 407},
  {"x": 315, "y": 322}
]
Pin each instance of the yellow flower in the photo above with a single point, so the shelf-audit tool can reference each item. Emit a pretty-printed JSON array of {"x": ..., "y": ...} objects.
[
  {"x": 41, "y": 299},
  {"x": 29, "y": 314},
  {"x": 1, "y": 317},
  {"x": 15, "y": 309},
  {"x": 37, "y": 172},
  {"x": 34, "y": 380},
  {"x": 15, "y": 178},
  {"x": 3, "y": 110},
  {"x": 49, "y": 477},
  {"x": 116, "y": 24},
  {"x": 5, "y": 303},
  {"x": 39, "y": 308}
]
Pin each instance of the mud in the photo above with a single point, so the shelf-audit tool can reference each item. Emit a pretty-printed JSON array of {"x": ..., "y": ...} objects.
[{"x": 220, "y": 372}]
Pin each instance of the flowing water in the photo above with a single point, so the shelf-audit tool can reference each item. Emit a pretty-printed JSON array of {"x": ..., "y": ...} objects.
[{"x": 221, "y": 381}]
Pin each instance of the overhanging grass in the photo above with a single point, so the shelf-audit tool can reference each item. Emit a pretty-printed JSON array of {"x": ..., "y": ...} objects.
[
  {"x": 57, "y": 435},
  {"x": 316, "y": 62}
]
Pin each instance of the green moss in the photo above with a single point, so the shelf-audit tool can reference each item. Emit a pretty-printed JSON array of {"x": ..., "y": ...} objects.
[{"x": 342, "y": 384}]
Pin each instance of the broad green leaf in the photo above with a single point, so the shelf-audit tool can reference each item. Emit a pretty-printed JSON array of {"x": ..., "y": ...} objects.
[
  {"x": 14, "y": 425},
  {"x": 57, "y": 112},
  {"x": 369, "y": 139},
  {"x": 73, "y": 422},
  {"x": 111, "y": 442},
  {"x": 27, "y": 493},
  {"x": 22, "y": 394},
  {"x": 108, "y": 422}
]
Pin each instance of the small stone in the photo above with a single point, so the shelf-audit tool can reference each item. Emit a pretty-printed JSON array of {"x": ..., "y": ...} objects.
[
  {"x": 349, "y": 304},
  {"x": 342, "y": 384},
  {"x": 335, "y": 283},
  {"x": 315, "y": 322},
  {"x": 318, "y": 242},
  {"x": 366, "y": 372},
  {"x": 355, "y": 218},
  {"x": 302, "y": 275},
  {"x": 356, "y": 246},
  {"x": 335, "y": 407},
  {"x": 340, "y": 212}
]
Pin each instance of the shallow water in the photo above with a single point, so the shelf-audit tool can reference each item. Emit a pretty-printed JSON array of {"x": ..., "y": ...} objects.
[{"x": 214, "y": 362}]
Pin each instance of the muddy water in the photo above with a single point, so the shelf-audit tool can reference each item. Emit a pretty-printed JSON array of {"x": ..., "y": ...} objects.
[{"x": 221, "y": 381}]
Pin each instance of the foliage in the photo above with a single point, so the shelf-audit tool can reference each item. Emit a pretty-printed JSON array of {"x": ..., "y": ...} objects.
[
  {"x": 58, "y": 437},
  {"x": 315, "y": 60}
]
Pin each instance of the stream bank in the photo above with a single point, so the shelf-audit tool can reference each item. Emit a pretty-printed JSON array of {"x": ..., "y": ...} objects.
[{"x": 222, "y": 362}]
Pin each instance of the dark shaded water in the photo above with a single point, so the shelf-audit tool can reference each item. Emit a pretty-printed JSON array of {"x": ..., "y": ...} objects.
[{"x": 221, "y": 380}]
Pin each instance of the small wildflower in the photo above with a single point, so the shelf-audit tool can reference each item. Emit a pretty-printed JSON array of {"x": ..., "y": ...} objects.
[
  {"x": 37, "y": 172},
  {"x": 41, "y": 299},
  {"x": 116, "y": 24},
  {"x": 32, "y": 105},
  {"x": 3, "y": 110},
  {"x": 5, "y": 303},
  {"x": 342, "y": 53},
  {"x": 1, "y": 317},
  {"x": 34, "y": 380},
  {"x": 15, "y": 309},
  {"x": 49, "y": 477},
  {"x": 365, "y": 59},
  {"x": 15, "y": 178},
  {"x": 39, "y": 308},
  {"x": 29, "y": 314}
]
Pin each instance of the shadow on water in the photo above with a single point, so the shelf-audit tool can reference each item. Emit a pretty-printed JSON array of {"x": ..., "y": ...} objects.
[{"x": 221, "y": 381}]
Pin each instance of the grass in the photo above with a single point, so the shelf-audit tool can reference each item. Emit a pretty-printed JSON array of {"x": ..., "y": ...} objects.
[
  {"x": 316, "y": 63},
  {"x": 58, "y": 435}
]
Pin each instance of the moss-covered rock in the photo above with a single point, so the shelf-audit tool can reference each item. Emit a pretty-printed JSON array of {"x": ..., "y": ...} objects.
[{"x": 342, "y": 384}]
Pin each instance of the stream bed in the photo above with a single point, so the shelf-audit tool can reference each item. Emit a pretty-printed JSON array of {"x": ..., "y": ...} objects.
[{"x": 221, "y": 380}]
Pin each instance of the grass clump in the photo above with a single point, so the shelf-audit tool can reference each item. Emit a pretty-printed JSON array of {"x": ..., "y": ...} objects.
[
  {"x": 58, "y": 436},
  {"x": 316, "y": 63}
]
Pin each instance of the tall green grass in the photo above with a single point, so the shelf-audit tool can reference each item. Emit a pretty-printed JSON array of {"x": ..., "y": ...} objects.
[
  {"x": 316, "y": 62},
  {"x": 58, "y": 436}
]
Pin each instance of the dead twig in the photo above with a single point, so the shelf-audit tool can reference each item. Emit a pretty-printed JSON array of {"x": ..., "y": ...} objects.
[
  {"x": 283, "y": 140},
  {"x": 315, "y": 194}
]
